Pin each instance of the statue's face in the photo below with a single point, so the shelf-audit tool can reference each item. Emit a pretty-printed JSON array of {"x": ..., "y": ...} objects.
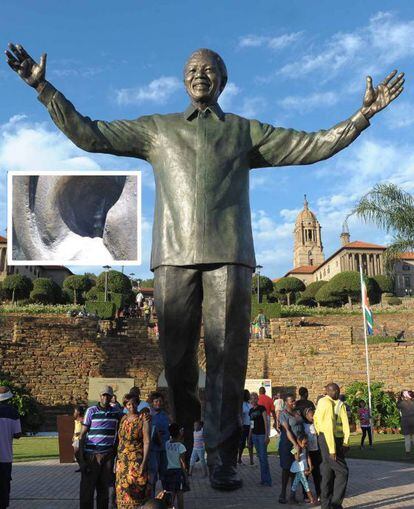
[{"x": 202, "y": 78}]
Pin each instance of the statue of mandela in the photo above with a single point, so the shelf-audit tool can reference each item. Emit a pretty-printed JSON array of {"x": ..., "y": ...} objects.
[{"x": 202, "y": 252}]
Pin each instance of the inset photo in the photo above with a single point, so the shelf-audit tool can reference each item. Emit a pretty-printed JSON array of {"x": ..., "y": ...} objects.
[{"x": 74, "y": 218}]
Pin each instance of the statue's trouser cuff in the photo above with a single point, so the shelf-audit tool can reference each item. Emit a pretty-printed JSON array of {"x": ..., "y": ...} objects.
[{"x": 221, "y": 294}]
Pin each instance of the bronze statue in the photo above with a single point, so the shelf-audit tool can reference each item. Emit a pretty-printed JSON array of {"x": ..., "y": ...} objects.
[{"x": 202, "y": 253}]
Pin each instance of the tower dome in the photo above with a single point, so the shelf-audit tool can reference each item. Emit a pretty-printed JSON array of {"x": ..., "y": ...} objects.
[{"x": 308, "y": 248}]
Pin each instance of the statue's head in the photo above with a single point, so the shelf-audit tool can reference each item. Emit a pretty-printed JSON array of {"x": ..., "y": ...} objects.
[{"x": 205, "y": 76}]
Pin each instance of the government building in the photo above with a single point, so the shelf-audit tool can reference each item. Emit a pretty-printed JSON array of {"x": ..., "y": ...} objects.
[{"x": 310, "y": 264}]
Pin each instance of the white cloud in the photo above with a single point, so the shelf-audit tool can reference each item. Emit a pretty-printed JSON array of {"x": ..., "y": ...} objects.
[
  {"x": 304, "y": 104},
  {"x": 381, "y": 42},
  {"x": 157, "y": 91},
  {"x": 274, "y": 43},
  {"x": 400, "y": 115},
  {"x": 227, "y": 97}
]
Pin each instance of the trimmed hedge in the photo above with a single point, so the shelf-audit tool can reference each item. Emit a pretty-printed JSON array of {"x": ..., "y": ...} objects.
[
  {"x": 103, "y": 310},
  {"x": 307, "y": 297}
]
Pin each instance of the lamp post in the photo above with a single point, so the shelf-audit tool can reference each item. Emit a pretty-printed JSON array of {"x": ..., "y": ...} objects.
[
  {"x": 258, "y": 267},
  {"x": 106, "y": 267}
]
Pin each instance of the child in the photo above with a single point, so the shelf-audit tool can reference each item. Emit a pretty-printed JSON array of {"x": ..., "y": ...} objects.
[
  {"x": 78, "y": 415},
  {"x": 176, "y": 478},
  {"x": 365, "y": 423},
  {"x": 313, "y": 448},
  {"x": 301, "y": 467},
  {"x": 199, "y": 451}
]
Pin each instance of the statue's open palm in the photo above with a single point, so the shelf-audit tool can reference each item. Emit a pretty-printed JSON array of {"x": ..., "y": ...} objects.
[
  {"x": 378, "y": 98},
  {"x": 21, "y": 62}
]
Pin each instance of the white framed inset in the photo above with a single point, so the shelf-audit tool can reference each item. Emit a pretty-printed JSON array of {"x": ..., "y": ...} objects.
[{"x": 74, "y": 217}]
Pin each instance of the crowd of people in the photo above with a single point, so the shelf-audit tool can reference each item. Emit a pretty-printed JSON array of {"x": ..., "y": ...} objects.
[{"x": 126, "y": 451}]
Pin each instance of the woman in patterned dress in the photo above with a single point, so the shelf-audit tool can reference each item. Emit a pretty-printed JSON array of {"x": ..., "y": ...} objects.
[{"x": 132, "y": 487}]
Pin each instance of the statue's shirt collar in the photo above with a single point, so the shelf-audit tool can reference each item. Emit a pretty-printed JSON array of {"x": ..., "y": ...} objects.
[{"x": 192, "y": 112}]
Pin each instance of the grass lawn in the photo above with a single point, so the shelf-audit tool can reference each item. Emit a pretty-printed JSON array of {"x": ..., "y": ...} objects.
[
  {"x": 386, "y": 448},
  {"x": 35, "y": 448}
]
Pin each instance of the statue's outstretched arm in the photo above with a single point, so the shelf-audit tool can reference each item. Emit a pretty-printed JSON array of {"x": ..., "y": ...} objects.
[
  {"x": 283, "y": 147},
  {"x": 131, "y": 138}
]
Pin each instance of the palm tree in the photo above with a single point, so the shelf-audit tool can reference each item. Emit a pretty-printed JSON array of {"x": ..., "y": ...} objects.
[{"x": 391, "y": 209}]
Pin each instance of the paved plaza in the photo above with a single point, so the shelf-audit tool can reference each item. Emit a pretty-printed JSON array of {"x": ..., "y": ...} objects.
[{"x": 373, "y": 485}]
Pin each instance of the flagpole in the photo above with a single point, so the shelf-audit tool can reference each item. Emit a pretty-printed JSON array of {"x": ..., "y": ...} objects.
[{"x": 366, "y": 348}]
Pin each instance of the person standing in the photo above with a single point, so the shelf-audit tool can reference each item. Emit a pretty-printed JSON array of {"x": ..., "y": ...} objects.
[
  {"x": 244, "y": 439},
  {"x": 279, "y": 406},
  {"x": 406, "y": 407},
  {"x": 261, "y": 322},
  {"x": 78, "y": 415},
  {"x": 97, "y": 450},
  {"x": 332, "y": 426},
  {"x": 159, "y": 436},
  {"x": 267, "y": 402},
  {"x": 139, "y": 299},
  {"x": 10, "y": 428},
  {"x": 365, "y": 423},
  {"x": 199, "y": 449},
  {"x": 313, "y": 448},
  {"x": 132, "y": 487},
  {"x": 141, "y": 404},
  {"x": 176, "y": 478},
  {"x": 259, "y": 436},
  {"x": 303, "y": 402},
  {"x": 291, "y": 426}
]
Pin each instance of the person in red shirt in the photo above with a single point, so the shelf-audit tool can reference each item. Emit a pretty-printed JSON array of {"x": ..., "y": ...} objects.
[
  {"x": 267, "y": 402},
  {"x": 364, "y": 416}
]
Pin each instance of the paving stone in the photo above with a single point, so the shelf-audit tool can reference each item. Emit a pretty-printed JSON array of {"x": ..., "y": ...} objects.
[{"x": 372, "y": 485}]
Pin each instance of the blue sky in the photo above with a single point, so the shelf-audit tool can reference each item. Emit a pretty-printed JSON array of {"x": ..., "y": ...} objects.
[{"x": 294, "y": 64}]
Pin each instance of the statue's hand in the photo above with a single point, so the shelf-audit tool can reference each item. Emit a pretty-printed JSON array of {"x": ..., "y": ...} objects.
[
  {"x": 22, "y": 63},
  {"x": 378, "y": 98}
]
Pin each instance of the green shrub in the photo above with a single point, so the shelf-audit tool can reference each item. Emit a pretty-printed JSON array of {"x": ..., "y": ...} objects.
[
  {"x": 384, "y": 406},
  {"x": 45, "y": 291},
  {"x": 29, "y": 411},
  {"x": 17, "y": 286},
  {"x": 117, "y": 282},
  {"x": 325, "y": 297},
  {"x": 307, "y": 297},
  {"x": 289, "y": 286},
  {"x": 39, "y": 309},
  {"x": 103, "y": 310},
  {"x": 394, "y": 301},
  {"x": 93, "y": 294},
  {"x": 385, "y": 283},
  {"x": 77, "y": 284},
  {"x": 266, "y": 285}
]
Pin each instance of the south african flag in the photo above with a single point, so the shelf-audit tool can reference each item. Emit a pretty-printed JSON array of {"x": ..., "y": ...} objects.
[{"x": 369, "y": 320}]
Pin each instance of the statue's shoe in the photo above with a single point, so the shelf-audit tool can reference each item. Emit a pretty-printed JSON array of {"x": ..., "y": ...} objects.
[{"x": 225, "y": 478}]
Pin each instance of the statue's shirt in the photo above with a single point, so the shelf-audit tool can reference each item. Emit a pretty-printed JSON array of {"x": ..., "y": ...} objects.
[{"x": 201, "y": 163}]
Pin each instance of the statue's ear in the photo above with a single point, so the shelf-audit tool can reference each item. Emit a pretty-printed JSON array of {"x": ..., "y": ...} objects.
[{"x": 223, "y": 84}]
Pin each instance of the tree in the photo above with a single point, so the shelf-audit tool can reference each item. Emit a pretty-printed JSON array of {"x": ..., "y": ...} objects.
[
  {"x": 266, "y": 285},
  {"x": 307, "y": 297},
  {"x": 17, "y": 286},
  {"x": 324, "y": 297},
  {"x": 77, "y": 284},
  {"x": 385, "y": 283},
  {"x": 288, "y": 286},
  {"x": 346, "y": 286},
  {"x": 45, "y": 291},
  {"x": 391, "y": 209},
  {"x": 117, "y": 282}
]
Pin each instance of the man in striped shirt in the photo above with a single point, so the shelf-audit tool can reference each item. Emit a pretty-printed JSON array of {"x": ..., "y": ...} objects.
[{"x": 97, "y": 449}]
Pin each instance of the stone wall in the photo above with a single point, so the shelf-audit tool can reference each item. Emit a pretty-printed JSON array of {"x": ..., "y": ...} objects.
[
  {"x": 317, "y": 354},
  {"x": 54, "y": 356}
]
